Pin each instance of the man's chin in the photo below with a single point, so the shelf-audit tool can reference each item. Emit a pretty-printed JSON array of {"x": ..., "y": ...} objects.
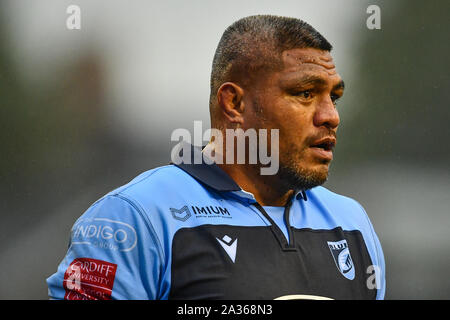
[{"x": 303, "y": 179}]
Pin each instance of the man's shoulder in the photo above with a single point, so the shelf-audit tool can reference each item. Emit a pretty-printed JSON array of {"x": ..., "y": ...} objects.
[
  {"x": 336, "y": 199},
  {"x": 155, "y": 182},
  {"x": 343, "y": 207},
  {"x": 144, "y": 196}
]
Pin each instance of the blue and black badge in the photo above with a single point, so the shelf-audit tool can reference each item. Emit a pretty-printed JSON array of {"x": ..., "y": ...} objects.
[{"x": 342, "y": 258}]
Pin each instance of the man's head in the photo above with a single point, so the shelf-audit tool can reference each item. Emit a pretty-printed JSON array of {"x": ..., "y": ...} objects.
[{"x": 273, "y": 72}]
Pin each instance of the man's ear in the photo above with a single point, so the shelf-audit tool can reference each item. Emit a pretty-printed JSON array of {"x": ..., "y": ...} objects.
[{"x": 230, "y": 99}]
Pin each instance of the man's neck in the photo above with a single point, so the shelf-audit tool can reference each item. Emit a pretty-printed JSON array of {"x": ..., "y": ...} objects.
[{"x": 268, "y": 190}]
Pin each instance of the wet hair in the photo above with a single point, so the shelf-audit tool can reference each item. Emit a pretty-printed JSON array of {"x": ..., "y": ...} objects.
[{"x": 254, "y": 44}]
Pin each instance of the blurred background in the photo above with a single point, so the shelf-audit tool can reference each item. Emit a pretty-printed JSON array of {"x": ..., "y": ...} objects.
[{"x": 84, "y": 111}]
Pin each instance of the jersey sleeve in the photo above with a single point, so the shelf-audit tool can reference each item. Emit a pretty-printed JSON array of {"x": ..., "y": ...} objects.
[
  {"x": 381, "y": 271},
  {"x": 377, "y": 274},
  {"x": 113, "y": 254}
]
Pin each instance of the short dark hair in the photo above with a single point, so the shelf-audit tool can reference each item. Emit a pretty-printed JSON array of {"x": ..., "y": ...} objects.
[{"x": 256, "y": 42}]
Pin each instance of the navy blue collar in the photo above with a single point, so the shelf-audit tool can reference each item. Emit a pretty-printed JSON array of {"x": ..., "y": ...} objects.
[{"x": 209, "y": 174}]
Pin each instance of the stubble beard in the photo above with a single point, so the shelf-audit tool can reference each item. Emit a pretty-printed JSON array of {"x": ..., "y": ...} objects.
[{"x": 298, "y": 177}]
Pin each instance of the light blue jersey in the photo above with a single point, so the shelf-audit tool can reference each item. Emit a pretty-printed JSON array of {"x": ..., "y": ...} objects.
[{"x": 190, "y": 232}]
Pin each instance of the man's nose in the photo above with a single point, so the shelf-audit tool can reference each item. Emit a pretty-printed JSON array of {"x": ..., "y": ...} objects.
[{"x": 326, "y": 114}]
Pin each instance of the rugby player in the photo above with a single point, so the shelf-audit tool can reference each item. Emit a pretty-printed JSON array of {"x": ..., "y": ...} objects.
[{"x": 224, "y": 230}]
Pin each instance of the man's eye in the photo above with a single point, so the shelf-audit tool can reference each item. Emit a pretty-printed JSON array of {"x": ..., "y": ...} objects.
[
  {"x": 335, "y": 98},
  {"x": 304, "y": 94}
]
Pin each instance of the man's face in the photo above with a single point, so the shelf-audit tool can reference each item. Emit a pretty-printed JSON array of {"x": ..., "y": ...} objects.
[{"x": 300, "y": 101}]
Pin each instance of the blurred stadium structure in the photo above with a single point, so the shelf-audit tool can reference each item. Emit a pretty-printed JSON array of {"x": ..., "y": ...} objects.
[{"x": 84, "y": 111}]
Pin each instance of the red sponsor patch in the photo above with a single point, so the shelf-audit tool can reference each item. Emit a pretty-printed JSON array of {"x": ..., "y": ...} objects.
[{"x": 89, "y": 279}]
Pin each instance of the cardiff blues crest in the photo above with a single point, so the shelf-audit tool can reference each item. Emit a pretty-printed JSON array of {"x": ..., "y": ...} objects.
[{"x": 342, "y": 258}]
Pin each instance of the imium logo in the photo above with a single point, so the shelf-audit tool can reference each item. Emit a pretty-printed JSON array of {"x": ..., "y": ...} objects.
[
  {"x": 184, "y": 213},
  {"x": 181, "y": 214},
  {"x": 211, "y": 211}
]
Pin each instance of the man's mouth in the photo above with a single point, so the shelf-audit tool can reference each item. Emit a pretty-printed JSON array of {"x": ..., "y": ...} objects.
[{"x": 323, "y": 148}]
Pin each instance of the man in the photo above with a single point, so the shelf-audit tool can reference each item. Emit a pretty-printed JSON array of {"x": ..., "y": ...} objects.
[{"x": 224, "y": 230}]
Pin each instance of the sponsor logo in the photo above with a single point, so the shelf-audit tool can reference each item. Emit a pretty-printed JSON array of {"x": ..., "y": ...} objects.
[
  {"x": 210, "y": 211},
  {"x": 104, "y": 233},
  {"x": 342, "y": 258},
  {"x": 184, "y": 213},
  {"x": 229, "y": 245},
  {"x": 89, "y": 279}
]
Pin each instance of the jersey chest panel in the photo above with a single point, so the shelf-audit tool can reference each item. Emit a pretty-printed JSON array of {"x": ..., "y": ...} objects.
[{"x": 235, "y": 262}]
